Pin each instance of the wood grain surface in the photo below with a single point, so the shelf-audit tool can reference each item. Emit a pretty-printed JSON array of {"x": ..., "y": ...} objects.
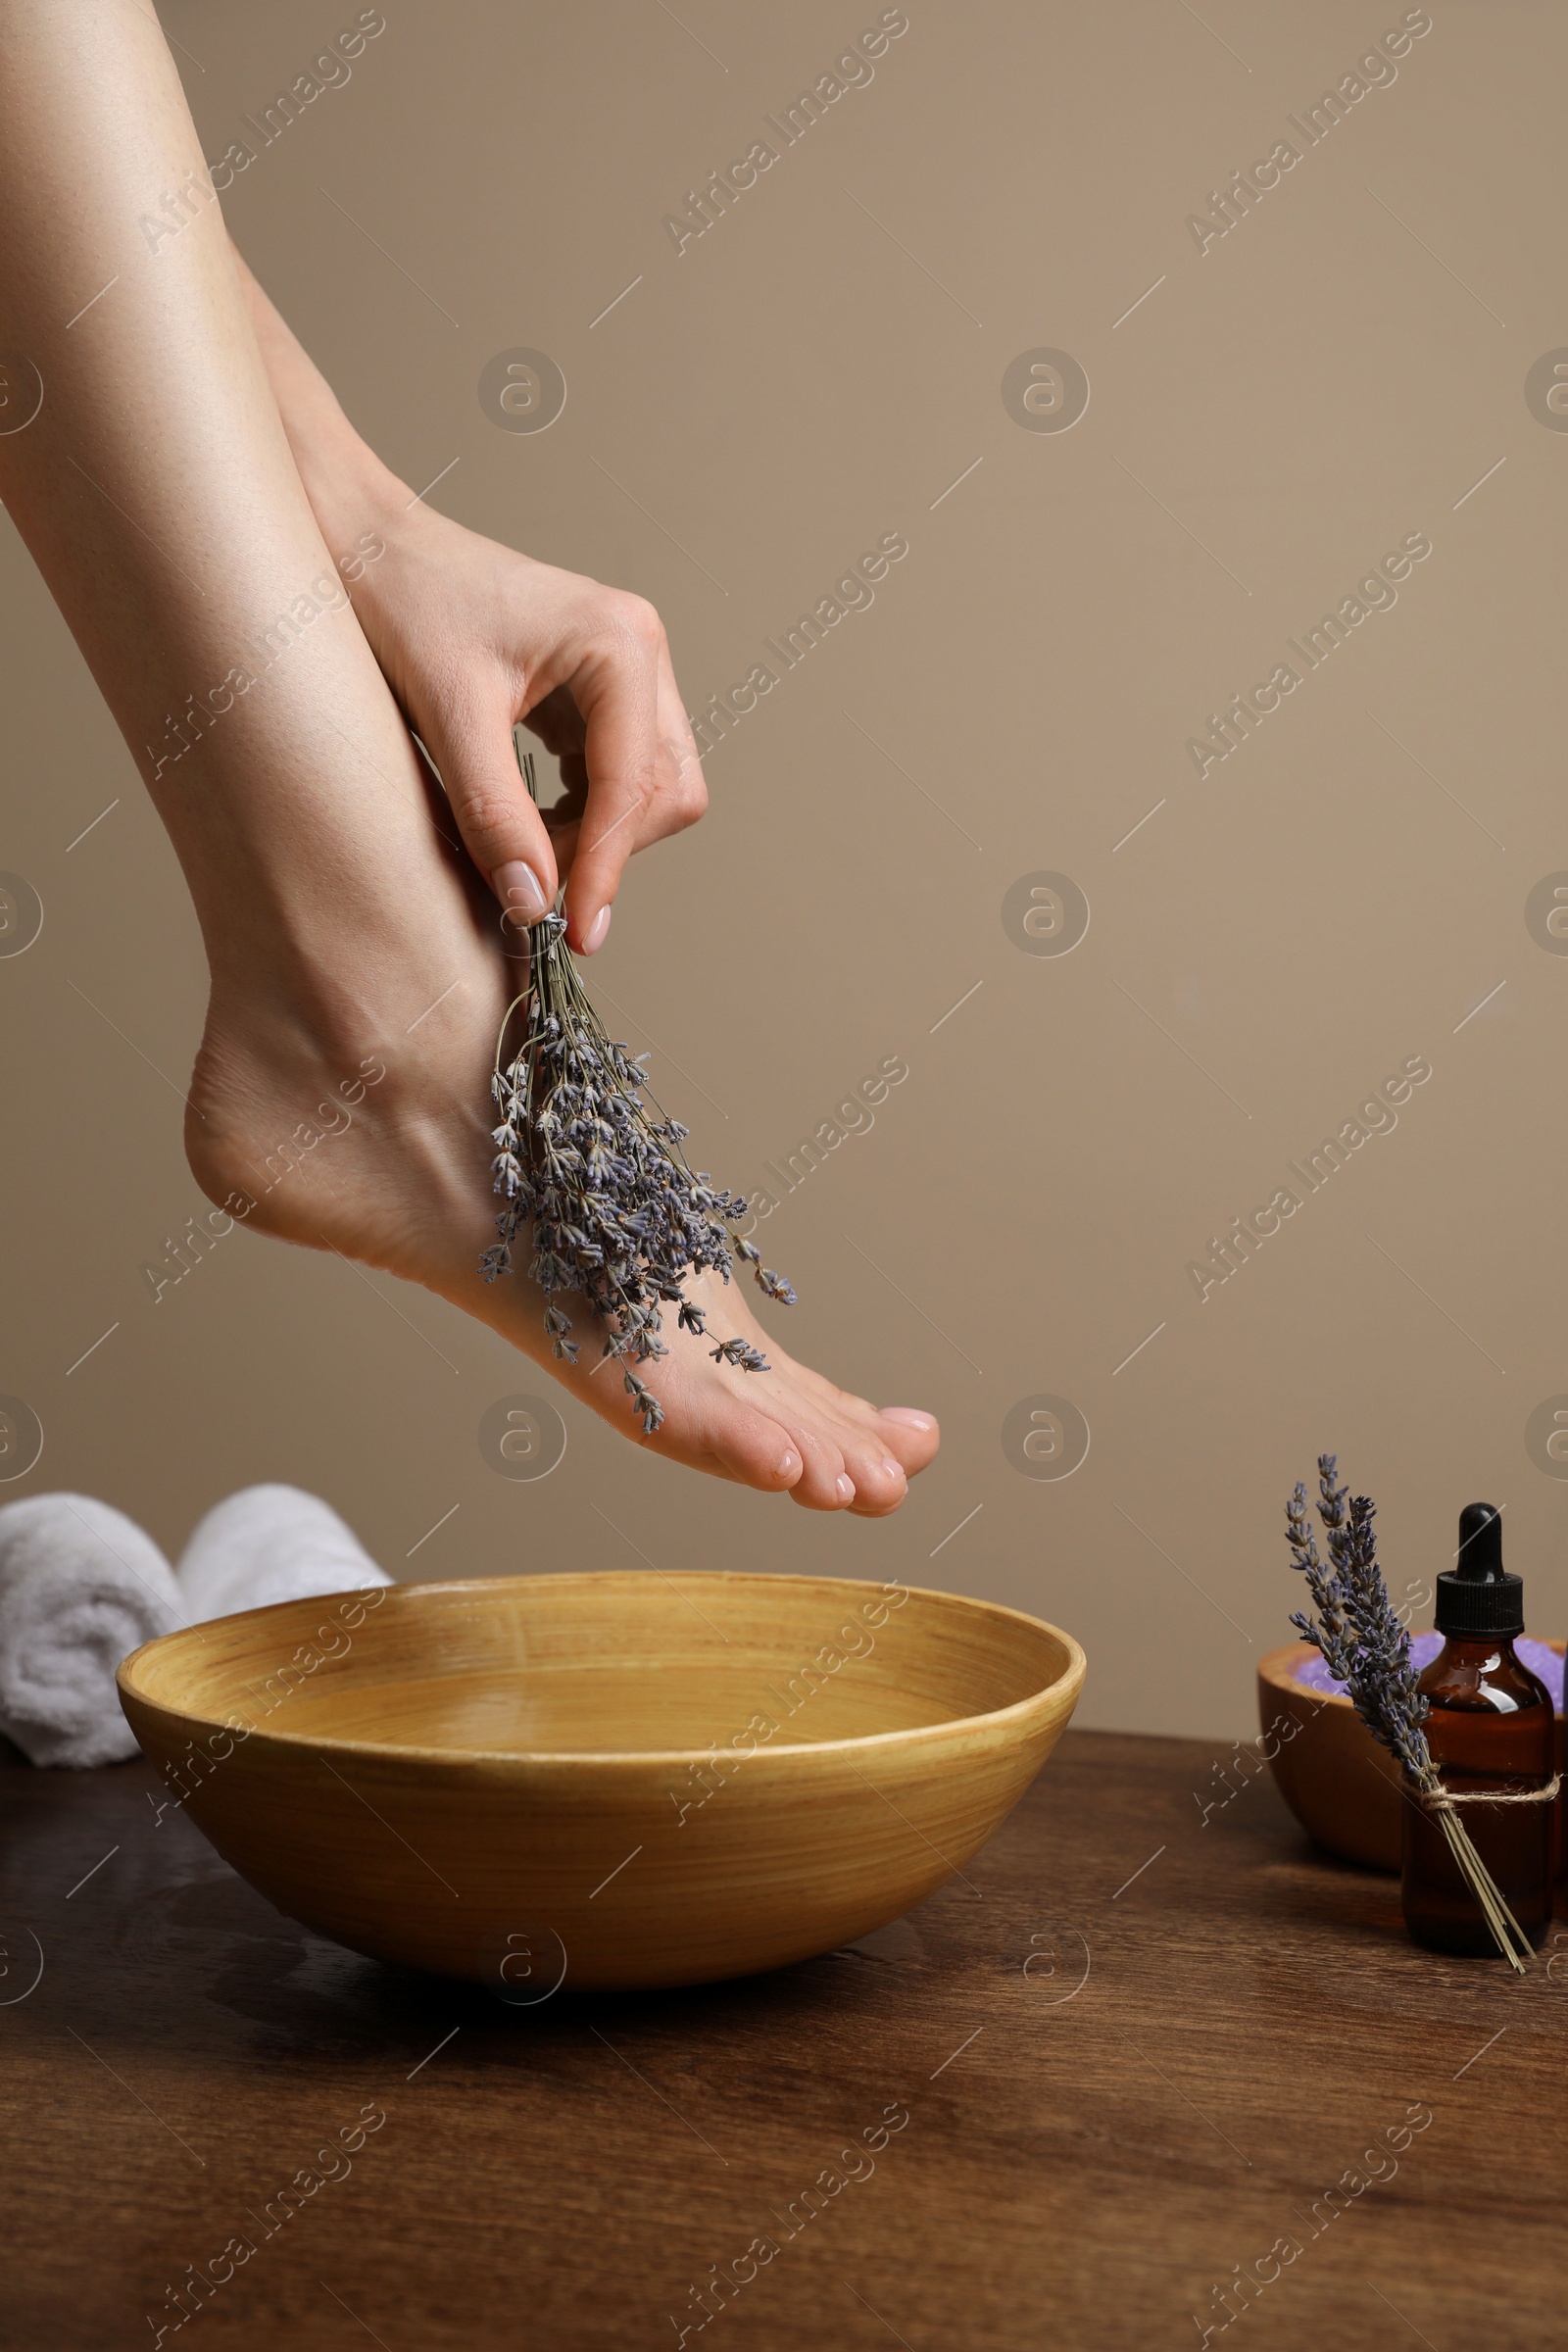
[{"x": 1085, "y": 2156}]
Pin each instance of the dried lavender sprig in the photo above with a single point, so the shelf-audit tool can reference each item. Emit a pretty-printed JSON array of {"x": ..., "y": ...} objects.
[
  {"x": 1366, "y": 1648},
  {"x": 1361, "y": 1638},
  {"x": 589, "y": 1158}
]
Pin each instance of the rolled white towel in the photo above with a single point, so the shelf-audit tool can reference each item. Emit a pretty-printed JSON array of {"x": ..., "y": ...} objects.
[
  {"x": 80, "y": 1587},
  {"x": 269, "y": 1543}
]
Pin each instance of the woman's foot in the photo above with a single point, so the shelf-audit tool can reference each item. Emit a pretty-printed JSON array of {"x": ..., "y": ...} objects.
[
  {"x": 359, "y": 974},
  {"x": 370, "y": 1136}
]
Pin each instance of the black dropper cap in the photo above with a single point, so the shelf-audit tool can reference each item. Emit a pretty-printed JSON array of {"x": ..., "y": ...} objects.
[{"x": 1479, "y": 1596}]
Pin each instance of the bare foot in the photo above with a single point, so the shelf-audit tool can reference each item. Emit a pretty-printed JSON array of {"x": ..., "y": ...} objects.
[
  {"x": 348, "y": 931},
  {"x": 399, "y": 1178}
]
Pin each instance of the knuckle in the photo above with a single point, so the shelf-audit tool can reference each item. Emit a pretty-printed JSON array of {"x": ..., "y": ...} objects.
[
  {"x": 632, "y": 616},
  {"x": 489, "y": 811}
]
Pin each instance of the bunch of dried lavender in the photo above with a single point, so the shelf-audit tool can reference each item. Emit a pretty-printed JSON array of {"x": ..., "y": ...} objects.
[
  {"x": 1364, "y": 1646},
  {"x": 588, "y": 1157}
]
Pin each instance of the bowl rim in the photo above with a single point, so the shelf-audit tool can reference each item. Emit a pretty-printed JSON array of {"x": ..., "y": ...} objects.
[
  {"x": 1275, "y": 1667},
  {"x": 1066, "y": 1687}
]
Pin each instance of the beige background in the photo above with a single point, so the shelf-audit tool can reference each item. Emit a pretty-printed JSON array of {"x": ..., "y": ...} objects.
[{"x": 1281, "y": 410}]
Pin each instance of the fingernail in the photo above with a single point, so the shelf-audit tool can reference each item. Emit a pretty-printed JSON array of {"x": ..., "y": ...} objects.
[
  {"x": 844, "y": 1489},
  {"x": 520, "y": 890},
  {"x": 594, "y": 937},
  {"x": 907, "y": 1413}
]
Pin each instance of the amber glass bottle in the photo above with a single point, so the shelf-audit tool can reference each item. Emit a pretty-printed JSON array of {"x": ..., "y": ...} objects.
[{"x": 1491, "y": 1730}]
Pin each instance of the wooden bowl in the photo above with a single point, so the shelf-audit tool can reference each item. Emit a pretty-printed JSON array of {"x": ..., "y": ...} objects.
[
  {"x": 1343, "y": 1787},
  {"x": 619, "y": 1779}
]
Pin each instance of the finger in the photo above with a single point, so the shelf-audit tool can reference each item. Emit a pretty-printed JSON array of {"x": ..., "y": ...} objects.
[
  {"x": 558, "y": 722},
  {"x": 679, "y": 795},
  {"x": 680, "y": 787},
  {"x": 616, "y": 690},
  {"x": 501, "y": 830},
  {"x": 563, "y": 841}
]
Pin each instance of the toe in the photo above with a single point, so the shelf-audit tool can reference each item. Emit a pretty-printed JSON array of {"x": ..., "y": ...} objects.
[
  {"x": 825, "y": 1483},
  {"x": 910, "y": 1436},
  {"x": 880, "y": 1484},
  {"x": 754, "y": 1448}
]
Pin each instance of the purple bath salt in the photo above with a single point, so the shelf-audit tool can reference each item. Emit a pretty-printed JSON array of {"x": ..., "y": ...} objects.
[{"x": 1424, "y": 1647}]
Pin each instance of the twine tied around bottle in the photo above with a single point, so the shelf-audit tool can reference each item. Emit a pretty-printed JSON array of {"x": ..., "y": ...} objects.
[{"x": 1443, "y": 1800}]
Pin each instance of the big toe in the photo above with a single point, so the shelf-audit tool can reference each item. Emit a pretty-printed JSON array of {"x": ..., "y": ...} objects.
[{"x": 911, "y": 1437}]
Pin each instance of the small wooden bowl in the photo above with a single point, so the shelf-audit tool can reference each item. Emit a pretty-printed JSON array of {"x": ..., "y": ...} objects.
[
  {"x": 1343, "y": 1787},
  {"x": 619, "y": 1778}
]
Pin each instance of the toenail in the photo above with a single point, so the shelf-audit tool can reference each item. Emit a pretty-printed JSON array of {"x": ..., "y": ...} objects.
[
  {"x": 907, "y": 1413},
  {"x": 844, "y": 1489},
  {"x": 594, "y": 937},
  {"x": 893, "y": 1469},
  {"x": 520, "y": 890},
  {"x": 788, "y": 1468}
]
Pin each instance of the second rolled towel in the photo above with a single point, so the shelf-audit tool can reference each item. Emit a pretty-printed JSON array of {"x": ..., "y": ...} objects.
[{"x": 271, "y": 1544}]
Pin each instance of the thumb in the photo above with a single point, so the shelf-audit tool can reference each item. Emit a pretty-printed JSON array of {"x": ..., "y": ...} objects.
[{"x": 501, "y": 830}]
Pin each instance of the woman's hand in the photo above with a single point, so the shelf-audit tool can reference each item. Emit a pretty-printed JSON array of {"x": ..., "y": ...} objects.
[{"x": 472, "y": 637}]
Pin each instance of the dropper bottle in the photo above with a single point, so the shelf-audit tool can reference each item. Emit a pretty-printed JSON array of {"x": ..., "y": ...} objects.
[{"x": 1491, "y": 1734}]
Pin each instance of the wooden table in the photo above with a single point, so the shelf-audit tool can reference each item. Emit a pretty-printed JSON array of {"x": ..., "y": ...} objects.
[{"x": 1133, "y": 2050}]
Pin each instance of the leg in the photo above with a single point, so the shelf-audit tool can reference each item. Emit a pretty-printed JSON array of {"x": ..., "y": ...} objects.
[{"x": 343, "y": 924}]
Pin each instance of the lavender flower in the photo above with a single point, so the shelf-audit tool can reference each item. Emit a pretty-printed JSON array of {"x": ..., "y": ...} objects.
[
  {"x": 1356, "y": 1632},
  {"x": 1365, "y": 1647},
  {"x": 587, "y": 1157}
]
